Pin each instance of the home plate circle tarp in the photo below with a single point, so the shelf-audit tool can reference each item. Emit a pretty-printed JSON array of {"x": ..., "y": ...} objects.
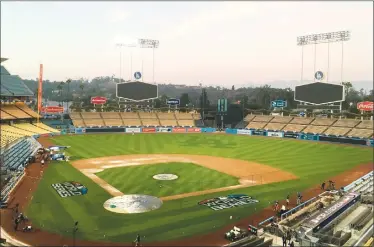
[
  {"x": 132, "y": 204},
  {"x": 165, "y": 177}
]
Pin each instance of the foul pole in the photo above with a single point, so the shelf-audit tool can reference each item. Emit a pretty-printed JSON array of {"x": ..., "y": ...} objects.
[{"x": 40, "y": 91}]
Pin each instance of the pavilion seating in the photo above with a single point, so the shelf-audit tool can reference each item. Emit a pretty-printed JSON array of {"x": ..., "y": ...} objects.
[
  {"x": 262, "y": 118},
  {"x": 26, "y": 109},
  {"x": 150, "y": 122},
  {"x": 184, "y": 116},
  {"x": 113, "y": 122},
  {"x": 363, "y": 133},
  {"x": 365, "y": 124},
  {"x": 90, "y": 115},
  {"x": 78, "y": 123},
  {"x": 301, "y": 120},
  {"x": 294, "y": 127},
  {"x": 93, "y": 122},
  {"x": 349, "y": 123},
  {"x": 164, "y": 122},
  {"x": 6, "y": 116},
  {"x": 186, "y": 122},
  {"x": 315, "y": 129},
  {"x": 338, "y": 131},
  {"x": 256, "y": 125},
  {"x": 284, "y": 120},
  {"x": 249, "y": 117},
  {"x": 274, "y": 126},
  {"x": 166, "y": 116},
  {"x": 323, "y": 121}
]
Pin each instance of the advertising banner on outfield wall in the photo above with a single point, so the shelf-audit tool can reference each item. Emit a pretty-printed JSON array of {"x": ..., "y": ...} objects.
[
  {"x": 231, "y": 131},
  {"x": 162, "y": 129},
  {"x": 208, "y": 130},
  {"x": 258, "y": 132},
  {"x": 343, "y": 140},
  {"x": 135, "y": 130},
  {"x": 148, "y": 130},
  {"x": 309, "y": 137},
  {"x": 243, "y": 132},
  {"x": 290, "y": 135},
  {"x": 79, "y": 131},
  {"x": 274, "y": 134},
  {"x": 179, "y": 130},
  {"x": 370, "y": 143},
  {"x": 193, "y": 130}
]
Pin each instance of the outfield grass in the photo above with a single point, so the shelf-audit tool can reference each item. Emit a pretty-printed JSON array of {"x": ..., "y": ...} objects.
[
  {"x": 191, "y": 177},
  {"x": 312, "y": 162}
]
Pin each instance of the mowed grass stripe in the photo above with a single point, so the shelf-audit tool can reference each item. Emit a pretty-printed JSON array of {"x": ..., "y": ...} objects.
[{"x": 191, "y": 177}]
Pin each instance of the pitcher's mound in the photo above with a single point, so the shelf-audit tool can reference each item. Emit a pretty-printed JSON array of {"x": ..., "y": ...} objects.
[
  {"x": 165, "y": 177},
  {"x": 132, "y": 204}
]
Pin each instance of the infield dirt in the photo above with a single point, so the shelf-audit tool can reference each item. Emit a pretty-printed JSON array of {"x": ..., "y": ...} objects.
[
  {"x": 248, "y": 173},
  {"x": 23, "y": 194}
]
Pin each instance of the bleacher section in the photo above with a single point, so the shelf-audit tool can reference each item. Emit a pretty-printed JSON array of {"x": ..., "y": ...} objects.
[
  {"x": 77, "y": 119},
  {"x": 131, "y": 119},
  {"x": 167, "y": 119},
  {"x": 294, "y": 127},
  {"x": 284, "y": 120},
  {"x": 301, "y": 120},
  {"x": 274, "y": 126},
  {"x": 24, "y": 129},
  {"x": 315, "y": 129},
  {"x": 348, "y": 123},
  {"x": 92, "y": 119},
  {"x": 338, "y": 131},
  {"x": 8, "y": 138},
  {"x": 185, "y": 119},
  {"x": 6, "y": 116},
  {"x": 12, "y": 85},
  {"x": 111, "y": 119},
  {"x": 362, "y": 133},
  {"x": 366, "y": 124},
  {"x": 149, "y": 119},
  {"x": 323, "y": 121}
]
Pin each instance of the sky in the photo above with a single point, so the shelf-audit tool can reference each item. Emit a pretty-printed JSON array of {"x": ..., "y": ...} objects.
[{"x": 213, "y": 43}]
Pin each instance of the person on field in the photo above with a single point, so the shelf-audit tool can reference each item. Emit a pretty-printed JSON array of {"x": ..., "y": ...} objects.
[
  {"x": 137, "y": 240},
  {"x": 42, "y": 162},
  {"x": 288, "y": 200},
  {"x": 323, "y": 186}
]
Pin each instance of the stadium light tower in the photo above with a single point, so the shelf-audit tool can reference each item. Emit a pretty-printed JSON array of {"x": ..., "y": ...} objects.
[
  {"x": 120, "y": 45},
  {"x": 320, "y": 38},
  {"x": 150, "y": 43}
]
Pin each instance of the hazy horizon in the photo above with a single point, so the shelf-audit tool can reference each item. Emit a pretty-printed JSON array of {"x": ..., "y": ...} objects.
[{"x": 214, "y": 43}]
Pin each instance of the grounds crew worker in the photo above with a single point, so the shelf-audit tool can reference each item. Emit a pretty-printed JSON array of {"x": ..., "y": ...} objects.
[{"x": 137, "y": 240}]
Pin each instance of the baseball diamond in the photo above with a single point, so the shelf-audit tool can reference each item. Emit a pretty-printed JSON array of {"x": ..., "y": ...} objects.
[{"x": 208, "y": 166}]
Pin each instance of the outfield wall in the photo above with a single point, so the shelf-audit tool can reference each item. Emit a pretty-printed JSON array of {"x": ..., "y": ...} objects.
[{"x": 250, "y": 132}]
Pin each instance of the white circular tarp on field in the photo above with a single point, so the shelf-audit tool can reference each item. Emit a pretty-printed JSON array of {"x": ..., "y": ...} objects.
[
  {"x": 132, "y": 204},
  {"x": 165, "y": 177}
]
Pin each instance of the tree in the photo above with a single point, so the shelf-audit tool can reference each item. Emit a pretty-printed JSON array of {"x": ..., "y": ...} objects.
[
  {"x": 184, "y": 100},
  {"x": 204, "y": 101},
  {"x": 81, "y": 86},
  {"x": 347, "y": 86}
]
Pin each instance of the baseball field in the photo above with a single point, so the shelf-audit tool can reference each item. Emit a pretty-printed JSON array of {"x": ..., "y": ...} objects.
[{"x": 206, "y": 165}]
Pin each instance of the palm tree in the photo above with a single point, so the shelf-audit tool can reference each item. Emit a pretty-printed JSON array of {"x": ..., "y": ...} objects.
[
  {"x": 60, "y": 88},
  {"x": 68, "y": 81},
  {"x": 81, "y": 86}
]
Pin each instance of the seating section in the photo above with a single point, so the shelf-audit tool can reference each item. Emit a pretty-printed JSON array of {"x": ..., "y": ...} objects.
[
  {"x": 349, "y": 123},
  {"x": 263, "y": 118},
  {"x": 274, "y": 126},
  {"x": 26, "y": 109},
  {"x": 249, "y": 117},
  {"x": 338, "y": 131},
  {"x": 14, "y": 130},
  {"x": 75, "y": 115},
  {"x": 14, "y": 85},
  {"x": 32, "y": 128},
  {"x": 185, "y": 119},
  {"x": 8, "y": 138},
  {"x": 168, "y": 122},
  {"x": 323, "y": 121},
  {"x": 294, "y": 127},
  {"x": 45, "y": 127},
  {"x": 167, "y": 116},
  {"x": 196, "y": 116},
  {"x": 94, "y": 122},
  {"x": 284, "y": 120},
  {"x": 16, "y": 156},
  {"x": 111, "y": 119},
  {"x": 366, "y": 124},
  {"x": 14, "y": 111},
  {"x": 149, "y": 119},
  {"x": 6, "y": 116},
  {"x": 301, "y": 120},
  {"x": 256, "y": 125},
  {"x": 362, "y": 133},
  {"x": 315, "y": 129},
  {"x": 90, "y": 115}
]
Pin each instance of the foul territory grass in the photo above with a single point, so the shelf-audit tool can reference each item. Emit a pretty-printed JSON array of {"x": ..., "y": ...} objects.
[
  {"x": 312, "y": 162},
  {"x": 191, "y": 177}
]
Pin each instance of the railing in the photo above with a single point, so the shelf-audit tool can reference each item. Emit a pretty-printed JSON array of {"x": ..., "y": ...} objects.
[
  {"x": 299, "y": 207},
  {"x": 361, "y": 179}
]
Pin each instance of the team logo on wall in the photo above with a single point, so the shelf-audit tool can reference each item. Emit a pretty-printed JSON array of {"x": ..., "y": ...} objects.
[
  {"x": 229, "y": 201},
  {"x": 67, "y": 189}
]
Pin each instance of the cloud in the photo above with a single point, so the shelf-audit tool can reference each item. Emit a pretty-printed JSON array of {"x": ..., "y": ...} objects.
[{"x": 225, "y": 12}]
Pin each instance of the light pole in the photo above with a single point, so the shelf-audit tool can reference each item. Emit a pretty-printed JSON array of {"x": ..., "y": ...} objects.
[
  {"x": 150, "y": 43},
  {"x": 120, "y": 45},
  {"x": 203, "y": 98}
]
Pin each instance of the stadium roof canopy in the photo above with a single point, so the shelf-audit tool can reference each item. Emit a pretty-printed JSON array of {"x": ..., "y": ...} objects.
[
  {"x": 3, "y": 71},
  {"x": 3, "y": 59}
]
